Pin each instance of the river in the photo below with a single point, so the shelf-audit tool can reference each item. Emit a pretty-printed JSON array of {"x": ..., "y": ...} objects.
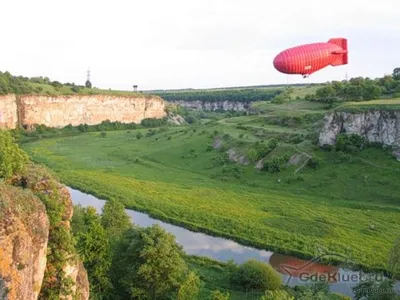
[{"x": 294, "y": 271}]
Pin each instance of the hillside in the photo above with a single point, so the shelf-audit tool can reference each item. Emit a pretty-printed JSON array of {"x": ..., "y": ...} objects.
[{"x": 203, "y": 177}]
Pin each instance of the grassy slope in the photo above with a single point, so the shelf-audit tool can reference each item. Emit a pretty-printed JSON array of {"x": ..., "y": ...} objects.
[
  {"x": 332, "y": 207},
  {"x": 47, "y": 89},
  {"x": 382, "y": 104}
]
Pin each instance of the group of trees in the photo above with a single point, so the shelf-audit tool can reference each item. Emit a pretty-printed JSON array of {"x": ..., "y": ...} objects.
[
  {"x": 358, "y": 89},
  {"x": 239, "y": 95},
  {"x": 19, "y": 85},
  {"x": 127, "y": 262}
]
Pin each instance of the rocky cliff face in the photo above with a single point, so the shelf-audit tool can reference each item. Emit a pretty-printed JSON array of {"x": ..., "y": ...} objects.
[
  {"x": 64, "y": 110},
  {"x": 376, "y": 126},
  {"x": 8, "y": 111},
  {"x": 60, "y": 111},
  {"x": 213, "y": 106},
  {"x": 37, "y": 257},
  {"x": 24, "y": 230}
]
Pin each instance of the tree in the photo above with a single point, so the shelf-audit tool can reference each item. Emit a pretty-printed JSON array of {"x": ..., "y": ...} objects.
[
  {"x": 396, "y": 74},
  {"x": 149, "y": 264},
  {"x": 88, "y": 84},
  {"x": 12, "y": 158},
  {"x": 256, "y": 275},
  {"x": 114, "y": 219},
  {"x": 94, "y": 250},
  {"x": 189, "y": 289},
  {"x": 139, "y": 135}
]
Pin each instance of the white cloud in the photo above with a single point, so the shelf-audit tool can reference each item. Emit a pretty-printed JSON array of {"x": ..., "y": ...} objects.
[{"x": 177, "y": 43}]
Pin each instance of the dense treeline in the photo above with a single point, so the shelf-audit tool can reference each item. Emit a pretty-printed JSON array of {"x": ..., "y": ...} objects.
[
  {"x": 359, "y": 89},
  {"x": 19, "y": 85},
  {"x": 239, "y": 95}
]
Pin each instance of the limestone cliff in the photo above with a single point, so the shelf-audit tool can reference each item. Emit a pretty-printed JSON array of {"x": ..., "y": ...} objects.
[
  {"x": 376, "y": 126},
  {"x": 37, "y": 256},
  {"x": 24, "y": 230},
  {"x": 60, "y": 111},
  {"x": 8, "y": 111},
  {"x": 213, "y": 106}
]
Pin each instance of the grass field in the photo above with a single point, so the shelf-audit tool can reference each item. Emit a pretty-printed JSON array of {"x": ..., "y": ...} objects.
[
  {"x": 382, "y": 104},
  {"x": 349, "y": 207}
]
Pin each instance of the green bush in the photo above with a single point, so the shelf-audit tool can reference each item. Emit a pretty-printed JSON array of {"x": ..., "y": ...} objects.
[
  {"x": 256, "y": 275},
  {"x": 350, "y": 143},
  {"x": 218, "y": 295},
  {"x": 12, "y": 158},
  {"x": 277, "y": 295}
]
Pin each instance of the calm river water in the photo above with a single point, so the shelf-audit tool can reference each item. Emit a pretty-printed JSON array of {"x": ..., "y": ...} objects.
[{"x": 200, "y": 244}]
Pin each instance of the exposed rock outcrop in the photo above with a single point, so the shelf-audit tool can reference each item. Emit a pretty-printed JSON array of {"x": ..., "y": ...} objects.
[
  {"x": 213, "y": 106},
  {"x": 60, "y": 111},
  {"x": 29, "y": 239},
  {"x": 8, "y": 111},
  {"x": 376, "y": 126},
  {"x": 24, "y": 230}
]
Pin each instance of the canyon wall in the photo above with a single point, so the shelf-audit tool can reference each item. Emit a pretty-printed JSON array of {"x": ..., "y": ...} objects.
[
  {"x": 60, "y": 111},
  {"x": 213, "y": 105},
  {"x": 8, "y": 111},
  {"x": 376, "y": 126}
]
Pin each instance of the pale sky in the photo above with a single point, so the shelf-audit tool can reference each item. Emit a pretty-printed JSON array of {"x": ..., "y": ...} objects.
[{"x": 159, "y": 44}]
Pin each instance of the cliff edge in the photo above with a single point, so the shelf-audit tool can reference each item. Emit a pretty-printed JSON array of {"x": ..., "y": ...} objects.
[
  {"x": 37, "y": 255},
  {"x": 60, "y": 111}
]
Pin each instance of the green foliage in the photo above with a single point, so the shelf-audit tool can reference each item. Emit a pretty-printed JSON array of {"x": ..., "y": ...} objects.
[
  {"x": 94, "y": 249},
  {"x": 314, "y": 162},
  {"x": 239, "y": 95},
  {"x": 394, "y": 259},
  {"x": 258, "y": 276},
  {"x": 218, "y": 295},
  {"x": 358, "y": 89},
  {"x": 151, "y": 122},
  {"x": 350, "y": 143},
  {"x": 139, "y": 135},
  {"x": 12, "y": 158},
  {"x": 371, "y": 290},
  {"x": 103, "y": 134},
  {"x": 275, "y": 164},
  {"x": 20, "y": 85},
  {"x": 114, "y": 219},
  {"x": 149, "y": 264},
  {"x": 190, "y": 288},
  {"x": 277, "y": 295}
]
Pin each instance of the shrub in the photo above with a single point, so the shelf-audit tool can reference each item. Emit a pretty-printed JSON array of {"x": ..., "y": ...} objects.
[
  {"x": 218, "y": 295},
  {"x": 350, "y": 143},
  {"x": 314, "y": 162},
  {"x": 139, "y": 135},
  {"x": 12, "y": 158},
  {"x": 256, "y": 275},
  {"x": 103, "y": 134},
  {"x": 277, "y": 295}
]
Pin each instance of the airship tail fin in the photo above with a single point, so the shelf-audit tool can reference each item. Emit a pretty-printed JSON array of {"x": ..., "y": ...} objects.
[{"x": 342, "y": 56}]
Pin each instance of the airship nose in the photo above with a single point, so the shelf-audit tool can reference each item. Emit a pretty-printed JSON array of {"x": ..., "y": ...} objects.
[{"x": 280, "y": 62}]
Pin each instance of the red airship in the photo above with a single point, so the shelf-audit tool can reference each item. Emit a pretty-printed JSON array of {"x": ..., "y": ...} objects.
[{"x": 309, "y": 58}]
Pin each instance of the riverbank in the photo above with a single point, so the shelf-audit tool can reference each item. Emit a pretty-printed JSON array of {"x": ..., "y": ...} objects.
[
  {"x": 171, "y": 174},
  {"x": 217, "y": 252}
]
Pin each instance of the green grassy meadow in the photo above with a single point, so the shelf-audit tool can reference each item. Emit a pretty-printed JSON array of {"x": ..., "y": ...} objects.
[{"x": 348, "y": 206}]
